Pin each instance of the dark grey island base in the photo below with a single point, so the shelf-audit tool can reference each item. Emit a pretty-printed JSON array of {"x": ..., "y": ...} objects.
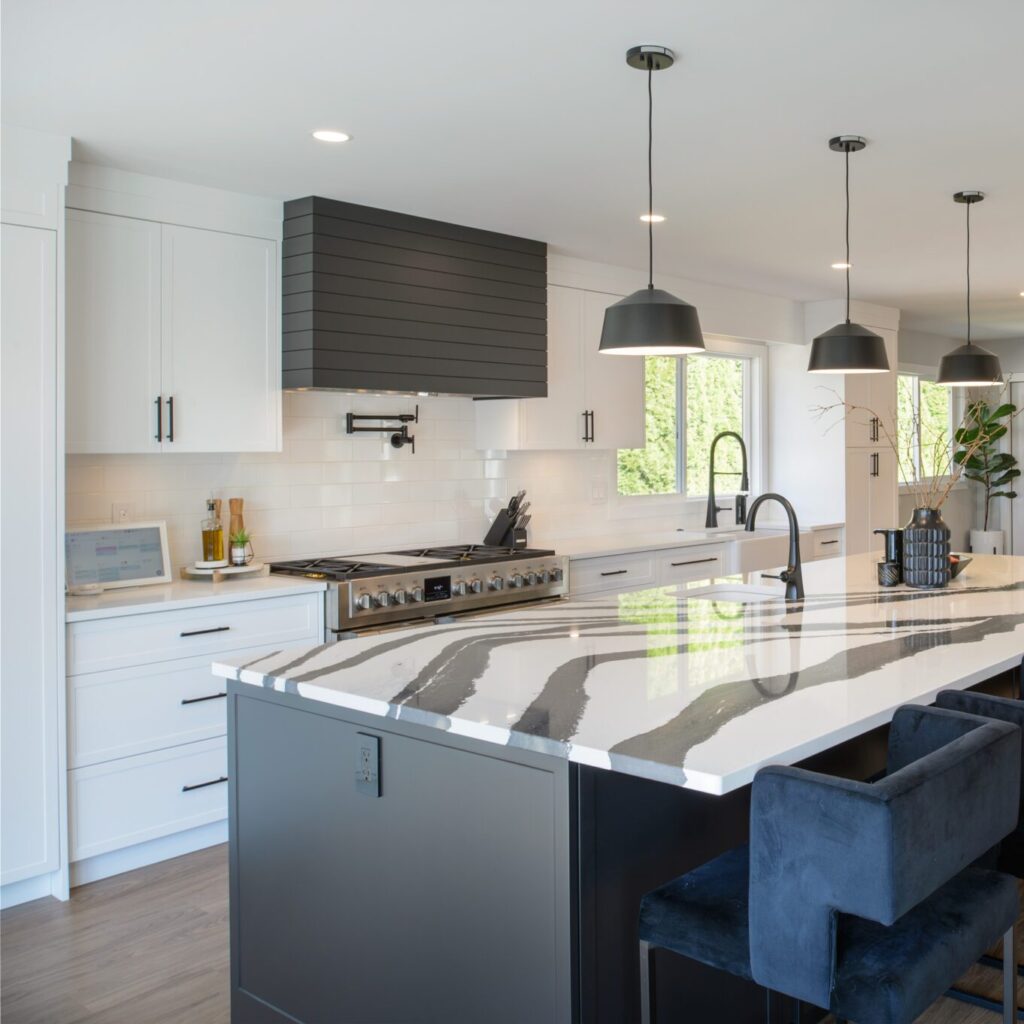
[{"x": 485, "y": 884}]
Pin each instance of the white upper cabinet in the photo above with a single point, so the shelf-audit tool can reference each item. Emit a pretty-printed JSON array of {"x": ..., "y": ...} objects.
[
  {"x": 221, "y": 346},
  {"x": 593, "y": 400},
  {"x": 173, "y": 338},
  {"x": 113, "y": 333}
]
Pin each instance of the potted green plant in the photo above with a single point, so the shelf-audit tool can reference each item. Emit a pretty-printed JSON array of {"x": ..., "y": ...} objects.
[
  {"x": 986, "y": 465},
  {"x": 241, "y": 548}
]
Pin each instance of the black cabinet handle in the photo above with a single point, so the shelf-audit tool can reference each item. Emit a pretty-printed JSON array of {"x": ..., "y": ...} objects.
[
  {"x": 824, "y": 542},
  {"x": 874, "y": 463},
  {"x": 203, "y": 785},
  {"x": 586, "y": 426},
  {"x": 593, "y": 438},
  {"x": 170, "y": 418},
  {"x": 201, "y": 632},
  {"x": 159, "y": 418},
  {"x": 615, "y": 572},
  {"x": 199, "y": 700},
  {"x": 695, "y": 561},
  {"x": 875, "y": 423}
]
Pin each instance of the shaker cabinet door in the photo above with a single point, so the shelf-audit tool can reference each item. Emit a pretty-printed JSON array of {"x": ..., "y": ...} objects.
[
  {"x": 613, "y": 385},
  {"x": 113, "y": 333},
  {"x": 221, "y": 365}
]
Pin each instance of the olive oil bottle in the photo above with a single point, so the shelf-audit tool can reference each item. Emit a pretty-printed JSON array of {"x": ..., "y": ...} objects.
[{"x": 213, "y": 533}]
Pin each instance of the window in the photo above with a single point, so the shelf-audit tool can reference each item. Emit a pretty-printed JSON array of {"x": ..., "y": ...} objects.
[
  {"x": 689, "y": 401},
  {"x": 925, "y": 427}
]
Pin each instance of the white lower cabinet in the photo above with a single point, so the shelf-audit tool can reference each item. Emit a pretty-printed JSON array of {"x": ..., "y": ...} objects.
[
  {"x": 120, "y": 803},
  {"x": 634, "y": 571},
  {"x": 147, "y": 720}
]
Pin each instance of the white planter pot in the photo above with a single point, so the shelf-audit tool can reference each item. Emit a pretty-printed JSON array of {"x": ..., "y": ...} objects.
[
  {"x": 239, "y": 554},
  {"x": 987, "y": 542}
]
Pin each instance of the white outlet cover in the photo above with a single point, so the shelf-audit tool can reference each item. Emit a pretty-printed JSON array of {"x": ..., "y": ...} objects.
[{"x": 122, "y": 512}]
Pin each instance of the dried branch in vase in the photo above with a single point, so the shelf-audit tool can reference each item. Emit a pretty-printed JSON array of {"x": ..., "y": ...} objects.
[{"x": 947, "y": 465}]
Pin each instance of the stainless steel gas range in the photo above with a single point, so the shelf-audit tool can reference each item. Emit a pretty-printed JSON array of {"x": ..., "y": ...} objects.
[{"x": 400, "y": 587}]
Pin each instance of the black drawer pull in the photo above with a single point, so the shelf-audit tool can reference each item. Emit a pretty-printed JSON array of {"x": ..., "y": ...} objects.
[
  {"x": 199, "y": 700},
  {"x": 695, "y": 561},
  {"x": 615, "y": 572},
  {"x": 200, "y": 632},
  {"x": 824, "y": 542},
  {"x": 203, "y": 785}
]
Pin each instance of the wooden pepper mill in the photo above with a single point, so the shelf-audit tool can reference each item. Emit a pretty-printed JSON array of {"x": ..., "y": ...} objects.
[{"x": 237, "y": 523}]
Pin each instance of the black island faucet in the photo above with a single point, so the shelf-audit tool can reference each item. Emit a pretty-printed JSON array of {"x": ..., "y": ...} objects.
[
  {"x": 792, "y": 575},
  {"x": 711, "y": 519}
]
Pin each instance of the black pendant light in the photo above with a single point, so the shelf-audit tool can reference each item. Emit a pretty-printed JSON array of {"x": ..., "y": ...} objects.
[
  {"x": 848, "y": 347},
  {"x": 969, "y": 365},
  {"x": 651, "y": 322}
]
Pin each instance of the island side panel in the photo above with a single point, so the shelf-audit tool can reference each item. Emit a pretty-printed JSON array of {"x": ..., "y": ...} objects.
[{"x": 446, "y": 898}]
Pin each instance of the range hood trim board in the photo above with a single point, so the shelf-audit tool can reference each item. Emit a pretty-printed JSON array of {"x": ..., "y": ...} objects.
[{"x": 375, "y": 300}]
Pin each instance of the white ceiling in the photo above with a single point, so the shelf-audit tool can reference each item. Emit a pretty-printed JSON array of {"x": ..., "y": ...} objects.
[{"x": 523, "y": 117}]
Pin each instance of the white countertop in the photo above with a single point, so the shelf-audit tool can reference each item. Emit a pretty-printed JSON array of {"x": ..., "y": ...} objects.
[
  {"x": 694, "y": 690},
  {"x": 182, "y": 594},
  {"x": 624, "y": 543}
]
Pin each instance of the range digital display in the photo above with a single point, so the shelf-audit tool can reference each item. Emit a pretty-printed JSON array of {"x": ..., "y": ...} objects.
[{"x": 437, "y": 588}]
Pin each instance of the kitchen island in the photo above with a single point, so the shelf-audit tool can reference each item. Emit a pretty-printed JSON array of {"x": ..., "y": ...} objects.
[{"x": 456, "y": 822}]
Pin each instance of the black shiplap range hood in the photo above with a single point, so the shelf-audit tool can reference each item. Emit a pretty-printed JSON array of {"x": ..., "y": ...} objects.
[{"x": 381, "y": 301}]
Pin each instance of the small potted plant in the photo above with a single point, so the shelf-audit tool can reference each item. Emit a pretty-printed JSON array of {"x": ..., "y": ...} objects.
[
  {"x": 241, "y": 547},
  {"x": 983, "y": 463}
]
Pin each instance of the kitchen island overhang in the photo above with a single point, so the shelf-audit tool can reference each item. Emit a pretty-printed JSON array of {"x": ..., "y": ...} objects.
[{"x": 527, "y": 802}]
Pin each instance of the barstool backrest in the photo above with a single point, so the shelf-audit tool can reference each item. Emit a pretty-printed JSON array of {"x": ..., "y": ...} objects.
[
  {"x": 987, "y": 706},
  {"x": 821, "y": 845}
]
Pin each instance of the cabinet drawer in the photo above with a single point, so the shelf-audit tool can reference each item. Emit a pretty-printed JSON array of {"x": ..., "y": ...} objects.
[
  {"x": 102, "y": 644},
  {"x": 689, "y": 564},
  {"x": 828, "y": 543},
  {"x": 139, "y": 798},
  {"x": 135, "y": 710},
  {"x": 621, "y": 572}
]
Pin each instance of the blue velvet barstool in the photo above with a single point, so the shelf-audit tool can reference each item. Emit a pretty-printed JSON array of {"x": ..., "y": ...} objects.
[
  {"x": 860, "y": 898},
  {"x": 1009, "y": 855}
]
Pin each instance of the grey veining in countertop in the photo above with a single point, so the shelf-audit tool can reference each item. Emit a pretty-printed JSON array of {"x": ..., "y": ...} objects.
[{"x": 690, "y": 686}]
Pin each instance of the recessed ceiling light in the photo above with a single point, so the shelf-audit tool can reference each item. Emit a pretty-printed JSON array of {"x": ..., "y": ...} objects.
[
  {"x": 841, "y": 266},
  {"x": 651, "y": 218},
  {"x": 328, "y": 135}
]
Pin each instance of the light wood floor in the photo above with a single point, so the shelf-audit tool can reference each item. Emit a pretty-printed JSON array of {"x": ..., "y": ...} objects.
[{"x": 151, "y": 947}]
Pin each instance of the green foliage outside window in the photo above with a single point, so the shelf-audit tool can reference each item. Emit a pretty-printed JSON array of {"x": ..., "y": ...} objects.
[
  {"x": 923, "y": 428},
  {"x": 652, "y": 470},
  {"x": 714, "y": 402}
]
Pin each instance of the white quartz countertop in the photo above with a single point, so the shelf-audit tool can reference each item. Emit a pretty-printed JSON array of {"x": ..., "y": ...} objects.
[
  {"x": 624, "y": 543},
  {"x": 690, "y": 686},
  {"x": 159, "y": 597}
]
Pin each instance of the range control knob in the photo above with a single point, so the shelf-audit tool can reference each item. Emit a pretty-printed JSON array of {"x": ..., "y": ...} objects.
[
  {"x": 556, "y": 575},
  {"x": 516, "y": 580},
  {"x": 532, "y": 579},
  {"x": 416, "y": 593},
  {"x": 496, "y": 583},
  {"x": 399, "y": 596},
  {"x": 459, "y": 588},
  {"x": 382, "y": 599},
  {"x": 545, "y": 576},
  {"x": 476, "y": 586},
  {"x": 364, "y": 601}
]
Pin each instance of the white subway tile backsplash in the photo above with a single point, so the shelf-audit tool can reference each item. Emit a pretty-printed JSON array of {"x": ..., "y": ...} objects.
[{"x": 329, "y": 492}]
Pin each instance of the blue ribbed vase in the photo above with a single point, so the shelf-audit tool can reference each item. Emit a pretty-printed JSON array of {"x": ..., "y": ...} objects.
[{"x": 926, "y": 550}]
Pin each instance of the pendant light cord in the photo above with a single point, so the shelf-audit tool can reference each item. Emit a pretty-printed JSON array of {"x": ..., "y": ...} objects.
[
  {"x": 650, "y": 174},
  {"x": 969, "y": 272},
  {"x": 847, "y": 234}
]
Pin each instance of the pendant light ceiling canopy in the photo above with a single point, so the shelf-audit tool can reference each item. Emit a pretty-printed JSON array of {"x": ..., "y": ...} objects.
[
  {"x": 969, "y": 365},
  {"x": 651, "y": 322},
  {"x": 848, "y": 347}
]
